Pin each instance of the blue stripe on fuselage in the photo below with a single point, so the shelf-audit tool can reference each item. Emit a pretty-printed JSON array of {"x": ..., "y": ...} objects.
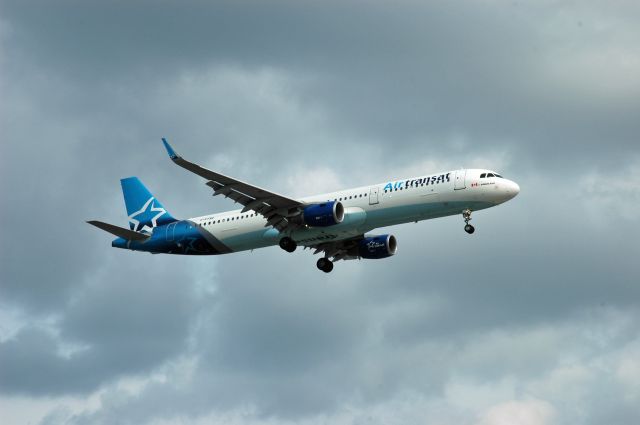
[{"x": 182, "y": 237}]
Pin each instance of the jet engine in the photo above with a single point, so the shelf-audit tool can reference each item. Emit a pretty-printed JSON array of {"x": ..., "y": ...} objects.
[
  {"x": 324, "y": 214},
  {"x": 375, "y": 247}
]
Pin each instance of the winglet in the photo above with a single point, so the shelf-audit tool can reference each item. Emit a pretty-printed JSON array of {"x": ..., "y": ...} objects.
[{"x": 170, "y": 151}]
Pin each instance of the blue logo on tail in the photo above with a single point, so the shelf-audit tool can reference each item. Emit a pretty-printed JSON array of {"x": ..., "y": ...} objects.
[{"x": 144, "y": 210}]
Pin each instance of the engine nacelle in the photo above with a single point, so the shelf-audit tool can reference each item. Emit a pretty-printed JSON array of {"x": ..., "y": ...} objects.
[
  {"x": 374, "y": 247},
  {"x": 324, "y": 214}
]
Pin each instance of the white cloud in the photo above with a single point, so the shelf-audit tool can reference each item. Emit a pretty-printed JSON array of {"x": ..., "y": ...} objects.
[
  {"x": 527, "y": 412},
  {"x": 305, "y": 181}
]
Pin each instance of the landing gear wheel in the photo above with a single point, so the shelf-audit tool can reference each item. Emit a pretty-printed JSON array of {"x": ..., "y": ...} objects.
[
  {"x": 288, "y": 244},
  {"x": 466, "y": 214},
  {"x": 325, "y": 265}
]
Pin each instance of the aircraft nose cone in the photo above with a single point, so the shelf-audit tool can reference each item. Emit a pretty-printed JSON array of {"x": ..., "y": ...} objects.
[
  {"x": 516, "y": 187},
  {"x": 512, "y": 189}
]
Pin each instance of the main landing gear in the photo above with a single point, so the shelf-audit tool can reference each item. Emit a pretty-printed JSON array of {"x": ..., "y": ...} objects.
[
  {"x": 466, "y": 214},
  {"x": 288, "y": 244},
  {"x": 325, "y": 265}
]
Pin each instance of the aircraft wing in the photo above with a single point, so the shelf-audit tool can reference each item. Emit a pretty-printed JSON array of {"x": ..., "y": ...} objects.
[
  {"x": 338, "y": 250},
  {"x": 277, "y": 209}
]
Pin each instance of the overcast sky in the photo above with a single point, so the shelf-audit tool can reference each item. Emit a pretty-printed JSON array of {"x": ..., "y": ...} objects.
[{"x": 535, "y": 319}]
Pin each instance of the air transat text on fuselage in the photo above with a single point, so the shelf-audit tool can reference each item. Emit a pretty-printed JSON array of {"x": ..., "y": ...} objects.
[{"x": 406, "y": 184}]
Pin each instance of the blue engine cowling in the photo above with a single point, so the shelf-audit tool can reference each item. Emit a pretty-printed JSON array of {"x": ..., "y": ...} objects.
[
  {"x": 324, "y": 214},
  {"x": 374, "y": 247}
]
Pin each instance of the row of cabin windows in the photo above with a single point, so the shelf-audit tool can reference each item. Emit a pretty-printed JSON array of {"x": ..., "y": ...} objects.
[
  {"x": 351, "y": 197},
  {"x": 223, "y": 220},
  {"x": 487, "y": 175},
  {"x": 254, "y": 214}
]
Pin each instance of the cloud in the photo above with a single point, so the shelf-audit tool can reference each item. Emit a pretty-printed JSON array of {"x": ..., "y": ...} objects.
[
  {"x": 532, "y": 412},
  {"x": 537, "y": 308},
  {"x": 577, "y": 372},
  {"x": 110, "y": 331},
  {"x": 606, "y": 189}
]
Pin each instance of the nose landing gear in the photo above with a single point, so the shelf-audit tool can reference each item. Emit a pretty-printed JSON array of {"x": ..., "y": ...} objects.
[
  {"x": 466, "y": 214},
  {"x": 325, "y": 265}
]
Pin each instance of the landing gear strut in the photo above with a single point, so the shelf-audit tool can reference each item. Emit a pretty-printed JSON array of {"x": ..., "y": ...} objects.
[
  {"x": 325, "y": 265},
  {"x": 288, "y": 244},
  {"x": 466, "y": 214}
]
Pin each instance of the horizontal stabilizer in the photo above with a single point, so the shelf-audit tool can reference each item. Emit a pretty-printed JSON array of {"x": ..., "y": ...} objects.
[{"x": 121, "y": 232}]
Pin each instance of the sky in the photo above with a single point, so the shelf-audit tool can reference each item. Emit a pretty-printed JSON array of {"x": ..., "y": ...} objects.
[{"x": 534, "y": 319}]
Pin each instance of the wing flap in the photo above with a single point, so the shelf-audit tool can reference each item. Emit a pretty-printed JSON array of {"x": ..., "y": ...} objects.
[{"x": 339, "y": 250}]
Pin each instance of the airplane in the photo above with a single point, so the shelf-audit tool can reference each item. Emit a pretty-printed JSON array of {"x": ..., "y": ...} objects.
[{"x": 336, "y": 224}]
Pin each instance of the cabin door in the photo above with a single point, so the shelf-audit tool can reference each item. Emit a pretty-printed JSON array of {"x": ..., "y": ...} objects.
[
  {"x": 459, "y": 179},
  {"x": 373, "y": 196}
]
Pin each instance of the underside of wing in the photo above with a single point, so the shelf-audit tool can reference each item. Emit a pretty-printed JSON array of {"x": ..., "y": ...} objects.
[
  {"x": 361, "y": 246},
  {"x": 277, "y": 209},
  {"x": 345, "y": 249}
]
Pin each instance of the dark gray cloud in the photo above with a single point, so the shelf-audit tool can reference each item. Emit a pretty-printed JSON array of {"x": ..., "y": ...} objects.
[
  {"x": 118, "y": 323},
  {"x": 524, "y": 77},
  {"x": 534, "y": 316}
]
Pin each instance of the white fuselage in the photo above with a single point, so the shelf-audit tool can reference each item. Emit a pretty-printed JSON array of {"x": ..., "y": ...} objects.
[{"x": 368, "y": 208}]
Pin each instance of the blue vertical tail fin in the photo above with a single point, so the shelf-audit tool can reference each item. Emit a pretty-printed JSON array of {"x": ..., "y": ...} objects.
[{"x": 144, "y": 210}]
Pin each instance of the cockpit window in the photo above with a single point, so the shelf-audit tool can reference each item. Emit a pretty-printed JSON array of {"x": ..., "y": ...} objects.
[
  {"x": 483, "y": 175},
  {"x": 490, "y": 175},
  {"x": 498, "y": 175}
]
